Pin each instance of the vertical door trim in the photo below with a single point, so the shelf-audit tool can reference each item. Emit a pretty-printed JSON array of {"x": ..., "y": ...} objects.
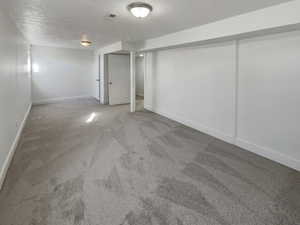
[{"x": 132, "y": 82}]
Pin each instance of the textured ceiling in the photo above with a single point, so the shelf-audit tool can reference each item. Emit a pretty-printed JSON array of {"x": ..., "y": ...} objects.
[{"x": 62, "y": 22}]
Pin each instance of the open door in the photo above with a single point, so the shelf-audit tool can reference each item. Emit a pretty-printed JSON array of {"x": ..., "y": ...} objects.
[
  {"x": 119, "y": 79},
  {"x": 98, "y": 85},
  {"x": 140, "y": 77}
]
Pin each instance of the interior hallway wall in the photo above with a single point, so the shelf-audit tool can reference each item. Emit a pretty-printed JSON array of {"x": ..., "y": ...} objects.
[
  {"x": 15, "y": 93},
  {"x": 245, "y": 92},
  {"x": 140, "y": 76},
  {"x": 61, "y": 73}
]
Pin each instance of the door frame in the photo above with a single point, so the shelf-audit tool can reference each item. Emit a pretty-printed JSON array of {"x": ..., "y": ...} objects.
[
  {"x": 132, "y": 79},
  {"x": 107, "y": 75},
  {"x": 99, "y": 77},
  {"x": 132, "y": 82},
  {"x": 105, "y": 79}
]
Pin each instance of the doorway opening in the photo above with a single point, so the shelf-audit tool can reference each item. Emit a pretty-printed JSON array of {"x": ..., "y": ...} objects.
[
  {"x": 98, "y": 84},
  {"x": 140, "y": 81},
  {"x": 118, "y": 74},
  {"x": 124, "y": 79}
]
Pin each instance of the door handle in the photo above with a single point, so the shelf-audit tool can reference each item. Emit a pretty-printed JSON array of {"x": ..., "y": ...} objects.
[
  {"x": 97, "y": 80},
  {"x": 110, "y": 83}
]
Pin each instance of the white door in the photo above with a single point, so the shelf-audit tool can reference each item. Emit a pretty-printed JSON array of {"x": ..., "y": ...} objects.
[
  {"x": 96, "y": 83},
  {"x": 119, "y": 79}
]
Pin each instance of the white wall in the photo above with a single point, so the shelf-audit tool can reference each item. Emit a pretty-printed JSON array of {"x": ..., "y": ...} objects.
[
  {"x": 63, "y": 73},
  {"x": 196, "y": 86},
  {"x": 269, "y": 96},
  {"x": 140, "y": 76},
  {"x": 247, "y": 93},
  {"x": 284, "y": 17},
  {"x": 15, "y": 99}
]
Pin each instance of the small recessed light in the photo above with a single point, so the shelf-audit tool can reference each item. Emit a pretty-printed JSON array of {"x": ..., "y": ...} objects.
[{"x": 140, "y": 9}]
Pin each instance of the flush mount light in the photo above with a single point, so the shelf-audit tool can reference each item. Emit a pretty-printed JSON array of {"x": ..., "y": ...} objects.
[
  {"x": 85, "y": 43},
  {"x": 139, "y": 9}
]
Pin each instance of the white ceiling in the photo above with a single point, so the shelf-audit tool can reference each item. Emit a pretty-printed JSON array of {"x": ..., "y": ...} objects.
[{"x": 62, "y": 22}]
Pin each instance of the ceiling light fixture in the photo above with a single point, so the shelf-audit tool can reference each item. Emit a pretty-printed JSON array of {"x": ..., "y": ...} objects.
[
  {"x": 85, "y": 42},
  {"x": 139, "y": 9}
]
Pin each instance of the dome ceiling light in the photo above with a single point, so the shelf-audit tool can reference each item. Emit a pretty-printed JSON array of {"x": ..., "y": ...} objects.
[
  {"x": 85, "y": 42},
  {"x": 140, "y": 9}
]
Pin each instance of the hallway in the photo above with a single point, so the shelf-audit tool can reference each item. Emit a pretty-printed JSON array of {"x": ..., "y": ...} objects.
[{"x": 82, "y": 163}]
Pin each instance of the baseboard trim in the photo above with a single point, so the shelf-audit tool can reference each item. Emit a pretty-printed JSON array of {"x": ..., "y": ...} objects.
[
  {"x": 246, "y": 145},
  {"x": 269, "y": 154},
  {"x": 55, "y": 100},
  {"x": 195, "y": 125},
  {"x": 13, "y": 148},
  {"x": 149, "y": 108}
]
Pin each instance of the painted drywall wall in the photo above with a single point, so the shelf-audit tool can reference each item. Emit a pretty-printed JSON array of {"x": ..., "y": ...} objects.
[
  {"x": 283, "y": 17},
  {"x": 269, "y": 96},
  {"x": 60, "y": 73},
  {"x": 139, "y": 76},
  {"x": 195, "y": 86},
  {"x": 244, "y": 92},
  {"x": 278, "y": 18},
  {"x": 15, "y": 99}
]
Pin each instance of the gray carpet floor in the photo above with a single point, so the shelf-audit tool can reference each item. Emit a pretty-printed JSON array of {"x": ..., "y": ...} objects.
[{"x": 82, "y": 163}]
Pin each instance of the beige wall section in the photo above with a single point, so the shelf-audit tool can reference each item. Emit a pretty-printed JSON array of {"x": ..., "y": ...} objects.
[
  {"x": 60, "y": 73},
  {"x": 15, "y": 93}
]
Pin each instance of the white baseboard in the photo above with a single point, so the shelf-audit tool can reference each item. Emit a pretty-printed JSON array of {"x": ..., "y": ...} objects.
[
  {"x": 195, "y": 125},
  {"x": 13, "y": 148},
  {"x": 259, "y": 150},
  {"x": 148, "y": 107},
  {"x": 54, "y": 100},
  {"x": 269, "y": 153}
]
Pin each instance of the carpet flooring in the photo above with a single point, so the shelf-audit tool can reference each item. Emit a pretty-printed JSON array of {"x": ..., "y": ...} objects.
[{"x": 82, "y": 163}]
